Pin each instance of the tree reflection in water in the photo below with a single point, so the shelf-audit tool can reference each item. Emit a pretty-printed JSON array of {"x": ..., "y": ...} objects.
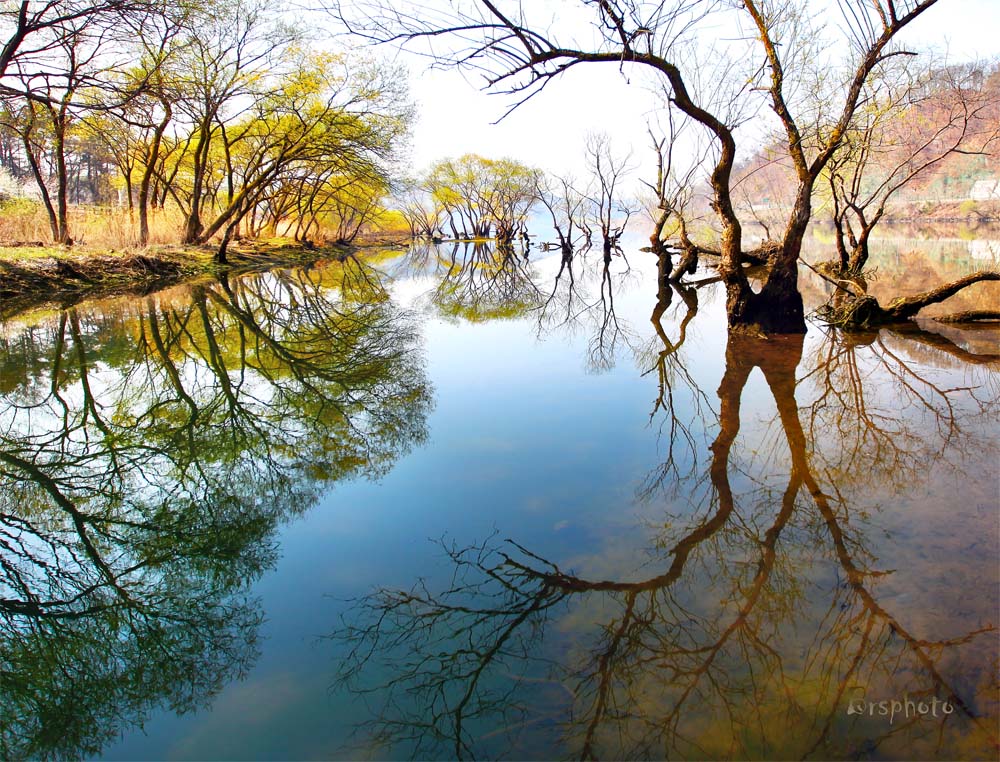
[
  {"x": 765, "y": 621},
  {"x": 582, "y": 301},
  {"x": 480, "y": 281},
  {"x": 682, "y": 436},
  {"x": 146, "y": 467}
]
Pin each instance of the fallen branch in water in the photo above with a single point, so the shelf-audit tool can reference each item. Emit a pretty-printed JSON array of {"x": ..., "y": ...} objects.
[
  {"x": 969, "y": 316},
  {"x": 864, "y": 311},
  {"x": 906, "y": 307}
]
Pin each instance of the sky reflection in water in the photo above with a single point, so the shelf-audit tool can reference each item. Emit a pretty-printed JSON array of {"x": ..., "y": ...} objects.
[{"x": 633, "y": 538}]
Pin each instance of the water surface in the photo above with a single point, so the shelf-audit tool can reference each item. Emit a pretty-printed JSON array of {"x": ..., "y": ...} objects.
[{"x": 455, "y": 503}]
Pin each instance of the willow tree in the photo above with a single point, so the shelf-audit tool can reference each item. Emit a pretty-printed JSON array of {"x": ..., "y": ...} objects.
[
  {"x": 333, "y": 118},
  {"x": 227, "y": 51},
  {"x": 481, "y": 195},
  {"x": 768, "y": 55}
]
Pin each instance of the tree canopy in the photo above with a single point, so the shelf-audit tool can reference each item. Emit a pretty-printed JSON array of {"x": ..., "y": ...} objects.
[{"x": 225, "y": 111}]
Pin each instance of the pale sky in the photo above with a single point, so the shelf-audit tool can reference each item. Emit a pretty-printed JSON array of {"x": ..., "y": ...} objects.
[{"x": 549, "y": 131}]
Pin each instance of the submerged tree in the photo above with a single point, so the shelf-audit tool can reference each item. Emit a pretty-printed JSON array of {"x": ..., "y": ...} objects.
[
  {"x": 778, "y": 60},
  {"x": 566, "y": 205},
  {"x": 419, "y": 208},
  {"x": 608, "y": 171},
  {"x": 482, "y": 197},
  {"x": 673, "y": 193}
]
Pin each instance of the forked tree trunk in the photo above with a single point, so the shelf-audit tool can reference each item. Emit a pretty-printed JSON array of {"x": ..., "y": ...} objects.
[
  {"x": 776, "y": 309},
  {"x": 149, "y": 173}
]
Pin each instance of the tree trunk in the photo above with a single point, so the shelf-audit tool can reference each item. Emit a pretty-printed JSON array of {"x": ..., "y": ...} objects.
[
  {"x": 860, "y": 252},
  {"x": 778, "y": 307},
  {"x": 127, "y": 177},
  {"x": 62, "y": 203},
  {"x": 221, "y": 253},
  {"x": 192, "y": 225},
  {"x": 687, "y": 264},
  {"x": 36, "y": 172},
  {"x": 656, "y": 238},
  {"x": 152, "y": 156}
]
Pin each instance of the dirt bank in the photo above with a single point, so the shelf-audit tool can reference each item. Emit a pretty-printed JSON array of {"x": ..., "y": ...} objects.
[{"x": 31, "y": 275}]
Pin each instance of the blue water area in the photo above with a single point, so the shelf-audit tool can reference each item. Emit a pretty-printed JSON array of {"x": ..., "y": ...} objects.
[{"x": 456, "y": 504}]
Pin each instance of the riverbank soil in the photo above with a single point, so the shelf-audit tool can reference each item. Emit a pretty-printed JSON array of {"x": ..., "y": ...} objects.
[{"x": 33, "y": 274}]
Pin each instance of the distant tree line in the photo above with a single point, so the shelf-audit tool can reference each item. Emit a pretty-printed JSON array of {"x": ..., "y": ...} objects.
[{"x": 472, "y": 197}]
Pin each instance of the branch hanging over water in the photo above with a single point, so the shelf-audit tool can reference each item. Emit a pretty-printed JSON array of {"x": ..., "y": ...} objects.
[{"x": 864, "y": 311}]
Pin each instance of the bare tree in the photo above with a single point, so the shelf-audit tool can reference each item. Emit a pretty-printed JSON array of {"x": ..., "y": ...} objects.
[
  {"x": 611, "y": 212},
  {"x": 912, "y": 122},
  {"x": 519, "y": 52},
  {"x": 674, "y": 190},
  {"x": 56, "y": 91},
  {"x": 30, "y": 31},
  {"x": 565, "y": 205}
]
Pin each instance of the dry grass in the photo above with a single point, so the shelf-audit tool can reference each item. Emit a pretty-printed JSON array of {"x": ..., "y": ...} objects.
[
  {"x": 26, "y": 222},
  {"x": 23, "y": 221}
]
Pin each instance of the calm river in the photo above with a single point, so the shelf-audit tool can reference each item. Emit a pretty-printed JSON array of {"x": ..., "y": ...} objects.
[{"x": 447, "y": 503}]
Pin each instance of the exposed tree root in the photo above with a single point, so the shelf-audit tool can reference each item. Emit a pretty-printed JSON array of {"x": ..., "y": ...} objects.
[
  {"x": 52, "y": 276},
  {"x": 864, "y": 311},
  {"x": 852, "y": 311}
]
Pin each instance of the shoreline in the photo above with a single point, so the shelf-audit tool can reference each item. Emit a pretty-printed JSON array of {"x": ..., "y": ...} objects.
[{"x": 35, "y": 276}]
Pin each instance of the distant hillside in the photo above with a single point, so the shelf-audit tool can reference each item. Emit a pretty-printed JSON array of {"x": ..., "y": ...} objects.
[{"x": 965, "y": 184}]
